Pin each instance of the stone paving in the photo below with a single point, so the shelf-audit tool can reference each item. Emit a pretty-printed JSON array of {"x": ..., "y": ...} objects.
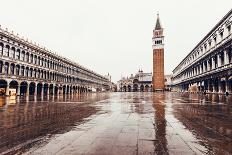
[{"x": 144, "y": 123}]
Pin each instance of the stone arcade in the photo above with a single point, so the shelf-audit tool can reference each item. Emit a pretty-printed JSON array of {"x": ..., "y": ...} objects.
[
  {"x": 208, "y": 67},
  {"x": 30, "y": 70}
]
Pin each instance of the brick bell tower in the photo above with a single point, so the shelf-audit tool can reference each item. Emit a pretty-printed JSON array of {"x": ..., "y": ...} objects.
[{"x": 158, "y": 56}]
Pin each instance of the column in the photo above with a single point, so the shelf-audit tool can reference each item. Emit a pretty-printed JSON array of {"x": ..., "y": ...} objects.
[
  {"x": 208, "y": 86},
  {"x": 226, "y": 57},
  {"x": 213, "y": 63},
  {"x": 208, "y": 65},
  {"x": 35, "y": 93},
  {"x": 42, "y": 90},
  {"x": 219, "y": 86},
  {"x": 58, "y": 90},
  {"x": 18, "y": 90},
  {"x": 227, "y": 85},
  {"x": 7, "y": 90},
  {"x": 213, "y": 84},
  {"x": 219, "y": 60},
  {"x": 9, "y": 73},
  {"x": 28, "y": 90},
  {"x": 47, "y": 91}
]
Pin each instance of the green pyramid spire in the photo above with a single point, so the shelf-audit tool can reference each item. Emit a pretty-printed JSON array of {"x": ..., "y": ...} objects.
[{"x": 158, "y": 24}]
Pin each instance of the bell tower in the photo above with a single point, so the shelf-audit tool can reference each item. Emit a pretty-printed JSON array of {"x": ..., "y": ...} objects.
[{"x": 158, "y": 56}]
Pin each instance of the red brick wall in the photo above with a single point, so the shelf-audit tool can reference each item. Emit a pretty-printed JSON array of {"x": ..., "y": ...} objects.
[{"x": 158, "y": 69}]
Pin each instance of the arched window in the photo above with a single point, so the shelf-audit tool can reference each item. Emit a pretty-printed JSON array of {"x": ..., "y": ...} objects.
[
  {"x": 23, "y": 56},
  {"x": 17, "y": 54},
  {"x": 6, "y": 50},
  {"x": 31, "y": 58},
  {"x": 22, "y": 71},
  {"x": 12, "y": 53},
  {"x": 12, "y": 66},
  {"x": 6, "y": 68},
  {"x": 27, "y": 57},
  {"x": 35, "y": 59},
  {"x": 17, "y": 69}
]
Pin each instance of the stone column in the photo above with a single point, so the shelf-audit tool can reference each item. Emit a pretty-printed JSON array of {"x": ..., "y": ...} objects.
[
  {"x": 9, "y": 69},
  {"x": 18, "y": 90},
  {"x": 219, "y": 86},
  {"x": 226, "y": 57},
  {"x": 35, "y": 93},
  {"x": 7, "y": 90},
  {"x": 214, "y": 90},
  {"x": 208, "y": 86},
  {"x": 219, "y": 60},
  {"x": 42, "y": 90},
  {"x": 28, "y": 90},
  {"x": 227, "y": 85},
  {"x": 213, "y": 63}
]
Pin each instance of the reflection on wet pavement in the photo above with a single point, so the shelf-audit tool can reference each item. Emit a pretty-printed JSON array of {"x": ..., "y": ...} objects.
[{"x": 117, "y": 123}]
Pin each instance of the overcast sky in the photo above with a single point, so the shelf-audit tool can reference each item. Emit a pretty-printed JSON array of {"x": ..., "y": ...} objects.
[{"x": 113, "y": 36}]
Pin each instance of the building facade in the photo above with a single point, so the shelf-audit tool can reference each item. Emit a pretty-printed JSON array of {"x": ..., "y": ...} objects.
[
  {"x": 26, "y": 68},
  {"x": 140, "y": 82},
  {"x": 208, "y": 67},
  {"x": 158, "y": 57}
]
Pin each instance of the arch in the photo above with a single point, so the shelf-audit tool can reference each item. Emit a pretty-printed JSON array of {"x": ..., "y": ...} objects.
[
  {"x": 135, "y": 87},
  {"x": 12, "y": 67},
  {"x": 3, "y": 86},
  {"x": 146, "y": 88},
  {"x": 129, "y": 88},
  {"x": 51, "y": 89},
  {"x": 17, "y": 69},
  {"x": 64, "y": 89},
  {"x": 6, "y": 51},
  {"x": 32, "y": 87},
  {"x": 23, "y": 87},
  {"x": 27, "y": 57},
  {"x": 46, "y": 87},
  {"x": 124, "y": 88},
  {"x": 39, "y": 88},
  {"x": 12, "y": 52},
  {"x": 17, "y": 54},
  {"x": 22, "y": 71},
  {"x": 142, "y": 88},
  {"x": 6, "y": 68},
  {"x": 23, "y": 55},
  {"x": 31, "y": 58},
  {"x": 56, "y": 89},
  {"x": 68, "y": 89}
]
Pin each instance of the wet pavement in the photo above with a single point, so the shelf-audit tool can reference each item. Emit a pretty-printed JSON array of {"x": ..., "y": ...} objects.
[{"x": 117, "y": 123}]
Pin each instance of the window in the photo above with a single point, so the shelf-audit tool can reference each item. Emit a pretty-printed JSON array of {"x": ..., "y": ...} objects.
[
  {"x": 27, "y": 57},
  {"x": 229, "y": 28},
  {"x": 22, "y": 71},
  {"x": 12, "y": 52},
  {"x": 17, "y": 55},
  {"x": 221, "y": 34},
  {"x": 23, "y": 56},
  {"x": 6, "y": 51}
]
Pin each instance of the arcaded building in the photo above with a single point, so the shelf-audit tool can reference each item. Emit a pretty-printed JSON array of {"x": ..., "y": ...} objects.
[
  {"x": 140, "y": 82},
  {"x": 208, "y": 67}
]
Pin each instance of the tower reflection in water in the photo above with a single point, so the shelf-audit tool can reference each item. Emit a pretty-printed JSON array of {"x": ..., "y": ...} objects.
[{"x": 159, "y": 123}]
